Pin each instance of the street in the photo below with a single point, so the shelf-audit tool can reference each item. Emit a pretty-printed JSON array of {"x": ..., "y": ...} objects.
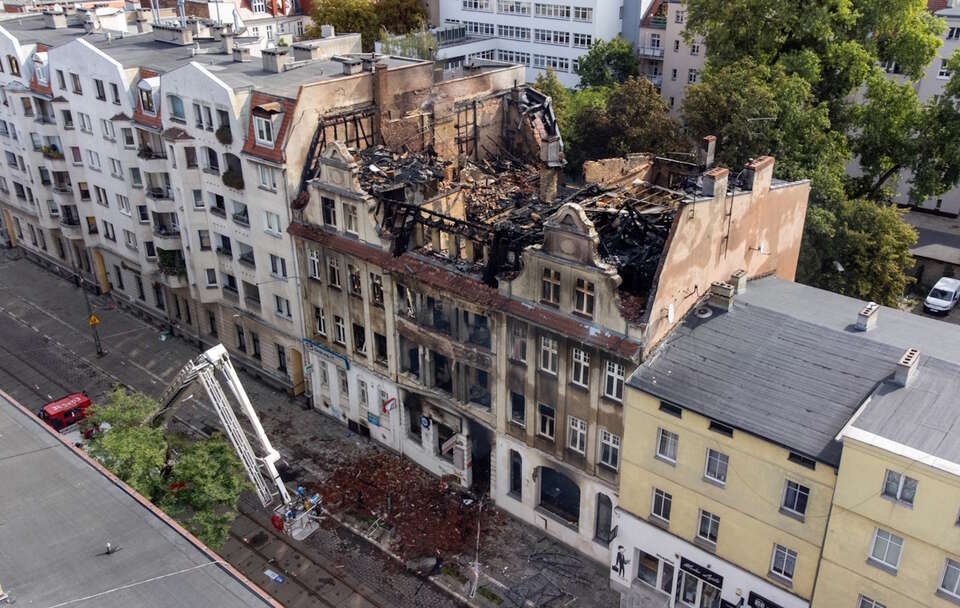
[{"x": 47, "y": 351}]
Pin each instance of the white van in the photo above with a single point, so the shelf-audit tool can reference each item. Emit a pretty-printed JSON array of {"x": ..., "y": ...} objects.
[{"x": 943, "y": 297}]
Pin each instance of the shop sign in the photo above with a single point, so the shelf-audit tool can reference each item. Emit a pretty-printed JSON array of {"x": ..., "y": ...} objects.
[
  {"x": 373, "y": 419},
  {"x": 326, "y": 353},
  {"x": 758, "y": 601},
  {"x": 704, "y": 574}
]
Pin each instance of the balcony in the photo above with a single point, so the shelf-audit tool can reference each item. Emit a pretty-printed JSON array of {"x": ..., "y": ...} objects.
[
  {"x": 659, "y": 23},
  {"x": 166, "y": 237},
  {"x": 252, "y": 303},
  {"x": 242, "y": 218},
  {"x": 159, "y": 192},
  {"x": 219, "y": 211},
  {"x": 655, "y": 79},
  {"x": 246, "y": 258},
  {"x": 173, "y": 268},
  {"x": 225, "y": 252},
  {"x": 148, "y": 153},
  {"x": 71, "y": 227},
  {"x": 51, "y": 153},
  {"x": 152, "y": 160},
  {"x": 651, "y": 52}
]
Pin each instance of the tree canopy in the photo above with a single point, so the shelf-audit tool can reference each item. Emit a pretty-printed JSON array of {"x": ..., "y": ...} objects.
[
  {"x": 608, "y": 63},
  {"x": 806, "y": 83},
  {"x": 367, "y": 18},
  {"x": 198, "y": 482}
]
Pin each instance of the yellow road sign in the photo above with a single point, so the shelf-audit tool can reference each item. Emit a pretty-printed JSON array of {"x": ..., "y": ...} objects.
[{"x": 93, "y": 320}]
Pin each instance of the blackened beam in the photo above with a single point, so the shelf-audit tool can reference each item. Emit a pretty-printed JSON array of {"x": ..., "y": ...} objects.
[{"x": 433, "y": 219}]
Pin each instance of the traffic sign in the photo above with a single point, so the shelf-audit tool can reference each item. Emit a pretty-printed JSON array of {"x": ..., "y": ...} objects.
[{"x": 94, "y": 321}]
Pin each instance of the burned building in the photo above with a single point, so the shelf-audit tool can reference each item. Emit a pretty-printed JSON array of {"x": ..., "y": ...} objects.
[{"x": 472, "y": 313}]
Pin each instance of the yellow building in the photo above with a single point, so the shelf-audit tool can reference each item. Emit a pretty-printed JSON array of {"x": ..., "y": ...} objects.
[
  {"x": 894, "y": 533},
  {"x": 732, "y": 454}
]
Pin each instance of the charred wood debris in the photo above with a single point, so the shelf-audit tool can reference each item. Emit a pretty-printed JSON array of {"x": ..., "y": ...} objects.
[{"x": 503, "y": 214}]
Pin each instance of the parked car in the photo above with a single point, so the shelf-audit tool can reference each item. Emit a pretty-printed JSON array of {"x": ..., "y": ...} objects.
[{"x": 943, "y": 297}]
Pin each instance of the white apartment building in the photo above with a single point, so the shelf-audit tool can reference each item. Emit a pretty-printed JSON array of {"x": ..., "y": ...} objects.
[
  {"x": 538, "y": 35},
  {"x": 161, "y": 174},
  {"x": 666, "y": 58}
]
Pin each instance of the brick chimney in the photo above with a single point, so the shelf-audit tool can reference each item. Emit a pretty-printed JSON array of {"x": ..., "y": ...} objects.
[
  {"x": 906, "y": 367},
  {"x": 380, "y": 91},
  {"x": 708, "y": 148},
  {"x": 757, "y": 174},
  {"x": 275, "y": 59},
  {"x": 721, "y": 295},
  {"x": 714, "y": 182},
  {"x": 867, "y": 317}
]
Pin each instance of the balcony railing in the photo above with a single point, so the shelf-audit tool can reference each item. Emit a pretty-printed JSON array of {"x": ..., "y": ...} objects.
[
  {"x": 51, "y": 153},
  {"x": 247, "y": 259},
  {"x": 148, "y": 153},
  {"x": 45, "y": 120},
  {"x": 225, "y": 252},
  {"x": 166, "y": 231},
  {"x": 63, "y": 188},
  {"x": 159, "y": 192},
  {"x": 658, "y": 22},
  {"x": 67, "y": 220},
  {"x": 218, "y": 211},
  {"x": 242, "y": 218},
  {"x": 651, "y": 51}
]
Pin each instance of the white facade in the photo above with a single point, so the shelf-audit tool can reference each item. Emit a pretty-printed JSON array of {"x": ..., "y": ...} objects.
[
  {"x": 535, "y": 34},
  {"x": 665, "y": 571}
]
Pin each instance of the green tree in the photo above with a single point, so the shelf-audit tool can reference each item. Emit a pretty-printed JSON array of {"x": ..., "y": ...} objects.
[
  {"x": 196, "y": 482},
  {"x": 614, "y": 121},
  {"x": 205, "y": 484},
  {"x": 400, "y": 16},
  {"x": 803, "y": 82},
  {"x": 608, "y": 63},
  {"x": 548, "y": 84},
  {"x": 346, "y": 16}
]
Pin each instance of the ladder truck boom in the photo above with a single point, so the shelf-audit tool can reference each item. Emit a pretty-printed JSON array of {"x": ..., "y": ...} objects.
[{"x": 295, "y": 513}]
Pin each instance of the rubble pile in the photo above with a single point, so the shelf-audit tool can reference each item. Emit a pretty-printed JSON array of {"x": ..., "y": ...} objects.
[
  {"x": 497, "y": 187},
  {"x": 382, "y": 168},
  {"x": 426, "y": 514}
]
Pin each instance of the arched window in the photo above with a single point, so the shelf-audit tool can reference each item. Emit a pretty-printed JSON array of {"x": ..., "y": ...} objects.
[
  {"x": 560, "y": 495},
  {"x": 603, "y": 532},
  {"x": 516, "y": 475}
]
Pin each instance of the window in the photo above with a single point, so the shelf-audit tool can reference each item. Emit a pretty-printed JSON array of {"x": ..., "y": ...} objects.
[
  {"x": 380, "y": 349},
  {"x": 350, "y": 217},
  {"x": 281, "y": 358},
  {"x": 885, "y": 550},
  {"x": 101, "y": 195},
  {"x": 272, "y": 223},
  {"x": 359, "y": 339},
  {"x": 661, "y": 503},
  {"x": 676, "y": 45},
  {"x": 516, "y": 474},
  {"x": 548, "y": 354},
  {"x": 679, "y": 18},
  {"x": 124, "y": 204},
  {"x": 943, "y": 73},
  {"x": 580, "y": 372},
  {"x": 609, "y": 449},
  {"x": 333, "y": 272},
  {"x": 255, "y": 343},
  {"x": 802, "y": 460},
  {"x": 583, "y": 13},
  {"x": 321, "y": 320},
  {"x": 692, "y": 75},
  {"x": 14, "y": 65},
  {"x": 86, "y": 125},
  {"x": 149, "y": 249},
  {"x": 514, "y": 32},
  {"x": 577, "y": 434},
  {"x": 899, "y": 487},
  {"x": 278, "y": 266},
  {"x": 146, "y": 102},
  {"x": 719, "y": 427},
  {"x": 340, "y": 330},
  {"x": 108, "y": 130},
  {"x": 582, "y": 41},
  {"x": 329, "y": 209},
  {"x": 93, "y": 159},
  {"x": 518, "y": 341},
  {"x": 547, "y": 419},
  {"x": 709, "y": 527},
  {"x": 116, "y": 169},
  {"x": 108, "y": 231},
  {"x": 518, "y": 409},
  {"x": 795, "y": 497},
  {"x": 376, "y": 289},
  {"x": 557, "y": 37},
  {"x": 551, "y": 286},
  {"x": 190, "y": 155},
  {"x": 61, "y": 81},
  {"x": 613, "y": 385},
  {"x": 950, "y": 581},
  {"x": 282, "y": 306},
  {"x": 784, "y": 562},
  {"x": 667, "y": 445},
  {"x": 136, "y": 178},
  {"x": 866, "y": 602},
  {"x": 476, "y": 5},
  {"x": 313, "y": 264},
  {"x": 584, "y": 297},
  {"x": 552, "y": 11},
  {"x": 115, "y": 93},
  {"x": 263, "y": 130},
  {"x": 211, "y": 277},
  {"x": 101, "y": 91},
  {"x": 716, "y": 466},
  {"x": 268, "y": 177},
  {"x": 355, "y": 283}
]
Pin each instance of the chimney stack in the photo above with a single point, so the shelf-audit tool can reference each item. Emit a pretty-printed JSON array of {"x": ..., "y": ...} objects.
[
  {"x": 867, "y": 317},
  {"x": 549, "y": 182},
  {"x": 708, "y": 148},
  {"x": 327, "y": 31},
  {"x": 757, "y": 174},
  {"x": 906, "y": 367},
  {"x": 721, "y": 295},
  {"x": 714, "y": 182},
  {"x": 274, "y": 60},
  {"x": 739, "y": 280}
]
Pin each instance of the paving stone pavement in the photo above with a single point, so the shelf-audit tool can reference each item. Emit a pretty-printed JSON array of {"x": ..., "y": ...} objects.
[{"x": 46, "y": 341}]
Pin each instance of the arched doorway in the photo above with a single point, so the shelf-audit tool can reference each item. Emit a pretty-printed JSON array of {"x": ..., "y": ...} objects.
[{"x": 560, "y": 495}]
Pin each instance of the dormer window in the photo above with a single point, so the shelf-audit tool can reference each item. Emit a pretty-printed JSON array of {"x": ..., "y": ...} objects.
[
  {"x": 14, "y": 65},
  {"x": 263, "y": 129},
  {"x": 146, "y": 102},
  {"x": 585, "y": 296},
  {"x": 551, "y": 286}
]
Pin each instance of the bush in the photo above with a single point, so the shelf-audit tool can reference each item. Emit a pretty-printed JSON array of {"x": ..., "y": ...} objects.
[
  {"x": 233, "y": 179},
  {"x": 224, "y": 135}
]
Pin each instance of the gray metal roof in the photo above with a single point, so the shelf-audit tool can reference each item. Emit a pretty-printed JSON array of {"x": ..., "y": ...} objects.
[
  {"x": 761, "y": 371},
  {"x": 787, "y": 364},
  {"x": 923, "y": 416},
  {"x": 57, "y": 512}
]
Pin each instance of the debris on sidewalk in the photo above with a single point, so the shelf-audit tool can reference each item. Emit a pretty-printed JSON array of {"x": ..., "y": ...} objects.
[{"x": 423, "y": 515}]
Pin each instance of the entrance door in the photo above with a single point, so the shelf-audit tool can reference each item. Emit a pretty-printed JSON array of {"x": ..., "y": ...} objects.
[
  {"x": 296, "y": 371},
  {"x": 101, "y": 269}
]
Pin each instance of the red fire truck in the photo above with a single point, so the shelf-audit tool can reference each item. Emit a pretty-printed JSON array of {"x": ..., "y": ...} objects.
[{"x": 66, "y": 411}]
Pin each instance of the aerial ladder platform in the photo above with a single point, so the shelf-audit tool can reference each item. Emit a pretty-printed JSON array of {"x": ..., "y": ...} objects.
[{"x": 296, "y": 515}]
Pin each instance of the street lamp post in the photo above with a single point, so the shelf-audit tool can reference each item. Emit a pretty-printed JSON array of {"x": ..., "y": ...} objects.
[{"x": 91, "y": 320}]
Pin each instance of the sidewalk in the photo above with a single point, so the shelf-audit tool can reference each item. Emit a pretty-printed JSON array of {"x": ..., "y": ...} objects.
[{"x": 520, "y": 566}]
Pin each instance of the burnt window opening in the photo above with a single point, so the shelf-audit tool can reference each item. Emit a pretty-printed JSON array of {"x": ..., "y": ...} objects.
[
  {"x": 442, "y": 372},
  {"x": 414, "y": 427},
  {"x": 478, "y": 390},
  {"x": 359, "y": 339},
  {"x": 516, "y": 475},
  {"x": 329, "y": 209},
  {"x": 518, "y": 409},
  {"x": 444, "y": 434},
  {"x": 376, "y": 289},
  {"x": 560, "y": 495},
  {"x": 478, "y": 330},
  {"x": 355, "y": 281},
  {"x": 380, "y": 348},
  {"x": 603, "y": 532}
]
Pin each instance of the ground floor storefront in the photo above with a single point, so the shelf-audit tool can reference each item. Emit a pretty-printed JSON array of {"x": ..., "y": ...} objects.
[{"x": 652, "y": 568}]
